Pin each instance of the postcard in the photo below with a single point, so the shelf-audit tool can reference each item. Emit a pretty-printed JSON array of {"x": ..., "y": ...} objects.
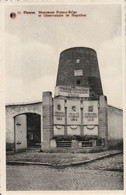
[{"x": 62, "y": 97}]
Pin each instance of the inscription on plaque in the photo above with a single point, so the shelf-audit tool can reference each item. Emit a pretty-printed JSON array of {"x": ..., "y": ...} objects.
[
  {"x": 72, "y": 92},
  {"x": 90, "y": 112},
  {"x": 73, "y": 112},
  {"x": 59, "y": 112}
]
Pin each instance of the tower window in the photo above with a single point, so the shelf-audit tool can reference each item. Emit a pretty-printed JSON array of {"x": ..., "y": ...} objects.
[
  {"x": 78, "y": 72},
  {"x": 78, "y": 82},
  {"x": 77, "y": 60}
]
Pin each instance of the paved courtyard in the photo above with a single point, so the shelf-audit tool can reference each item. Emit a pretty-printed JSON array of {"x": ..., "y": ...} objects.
[
  {"x": 35, "y": 156},
  {"x": 105, "y": 174}
]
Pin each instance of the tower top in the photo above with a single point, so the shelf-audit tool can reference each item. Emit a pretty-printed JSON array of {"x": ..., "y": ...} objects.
[{"x": 81, "y": 49}]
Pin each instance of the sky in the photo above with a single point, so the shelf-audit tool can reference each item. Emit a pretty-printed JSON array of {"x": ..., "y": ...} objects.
[{"x": 33, "y": 45}]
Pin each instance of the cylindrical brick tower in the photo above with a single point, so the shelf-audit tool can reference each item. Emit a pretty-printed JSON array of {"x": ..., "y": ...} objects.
[{"x": 78, "y": 66}]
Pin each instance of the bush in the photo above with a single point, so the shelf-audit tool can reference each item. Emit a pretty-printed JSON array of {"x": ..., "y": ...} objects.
[
  {"x": 64, "y": 138},
  {"x": 77, "y": 137}
]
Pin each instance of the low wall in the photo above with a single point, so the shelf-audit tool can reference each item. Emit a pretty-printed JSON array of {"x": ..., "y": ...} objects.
[
  {"x": 115, "y": 122},
  {"x": 115, "y": 127}
]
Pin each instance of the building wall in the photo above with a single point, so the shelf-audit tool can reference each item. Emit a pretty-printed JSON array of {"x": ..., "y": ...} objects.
[
  {"x": 115, "y": 123},
  {"x": 115, "y": 120},
  {"x": 14, "y": 110}
]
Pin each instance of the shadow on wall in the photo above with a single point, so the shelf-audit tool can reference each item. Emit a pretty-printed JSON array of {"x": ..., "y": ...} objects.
[{"x": 115, "y": 144}]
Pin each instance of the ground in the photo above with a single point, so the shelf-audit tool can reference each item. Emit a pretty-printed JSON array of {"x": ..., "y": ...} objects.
[
  {"x": 105, "y": 174},
  {"x": 56, "y": 158}
]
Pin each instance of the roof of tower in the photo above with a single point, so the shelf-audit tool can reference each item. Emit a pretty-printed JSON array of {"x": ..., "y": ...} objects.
[{"x": 78, "y": 48}]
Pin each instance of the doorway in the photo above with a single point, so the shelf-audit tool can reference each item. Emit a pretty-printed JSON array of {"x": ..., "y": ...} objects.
[
  {"x": 27, "y": 130},
  {"x": 33, "y": 130}
]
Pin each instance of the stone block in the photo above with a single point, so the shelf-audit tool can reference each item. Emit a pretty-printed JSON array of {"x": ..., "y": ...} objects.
[
  {"x": 75, "y": 144},
  {"x": 45, "y": 145},
  {"x": 53, "y": 143}
]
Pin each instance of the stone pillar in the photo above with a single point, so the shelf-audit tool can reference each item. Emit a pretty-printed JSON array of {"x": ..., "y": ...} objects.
[
  {"x": 47, "y": 120},
  {"x": 65, "y": 127},
  {"x": 103, "y": 119},
  {"x": 82, "y": 125}
]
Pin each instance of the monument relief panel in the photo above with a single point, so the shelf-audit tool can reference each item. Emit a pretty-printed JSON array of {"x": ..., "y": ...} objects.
[
  {"x": 90, "y": 130},
  {"x": 90, "y": 112},
  {"x": 59, "y": 112},
  {"x": 73, "y": 130},
  {"x": 59, "y": 116},
  {"x": 73, "y": 112}
]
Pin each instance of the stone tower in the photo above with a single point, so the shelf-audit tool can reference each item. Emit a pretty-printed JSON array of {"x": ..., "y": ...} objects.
[{"x": 78, "y": 66}]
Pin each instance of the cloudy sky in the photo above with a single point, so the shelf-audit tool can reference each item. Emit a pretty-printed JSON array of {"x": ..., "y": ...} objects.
[{"x": 33, "y": 45}]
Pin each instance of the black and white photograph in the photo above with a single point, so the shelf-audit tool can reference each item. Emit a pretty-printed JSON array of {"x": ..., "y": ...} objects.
[{"x": 64, "y": 96}]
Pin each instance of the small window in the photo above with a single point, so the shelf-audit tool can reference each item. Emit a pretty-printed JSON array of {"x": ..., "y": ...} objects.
[
  {"x": 78, "y": 82},
  {"x": 78, "y": 72},
  {"x": 77, "y": 60}
]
